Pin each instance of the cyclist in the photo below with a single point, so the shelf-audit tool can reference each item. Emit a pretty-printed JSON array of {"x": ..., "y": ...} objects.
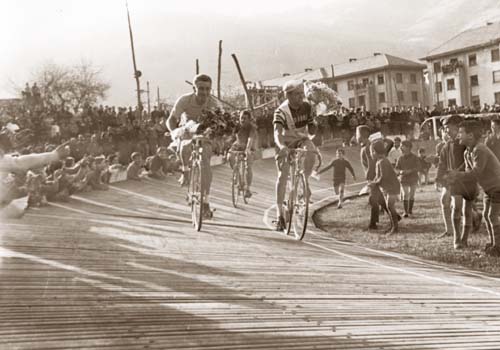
[
  {"x": 293, "y": 121},
  {"x": 245, "y": 137},
  {"x": 190, "y": 107}
]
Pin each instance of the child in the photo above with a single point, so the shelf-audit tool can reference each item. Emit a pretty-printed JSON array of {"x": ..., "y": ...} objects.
[
  {"x": 157, "y": 165},
  {"x": 425, "y": 165},
  {"x": 339, "y": 166},
  {"x": 482, "y": 166},
  {"x": 387, "y": 180},
  {"x": 408, "y": 165},
  {"x": 135, "y": 167}
]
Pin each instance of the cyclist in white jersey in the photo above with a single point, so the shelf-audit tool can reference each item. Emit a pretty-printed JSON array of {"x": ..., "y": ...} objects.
[
  {"x": 190, "y": 107},
  {"x": 293, "y": 123}
]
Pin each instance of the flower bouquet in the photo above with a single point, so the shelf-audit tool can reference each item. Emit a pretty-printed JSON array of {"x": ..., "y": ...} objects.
[{"x": 325, "y": 99}]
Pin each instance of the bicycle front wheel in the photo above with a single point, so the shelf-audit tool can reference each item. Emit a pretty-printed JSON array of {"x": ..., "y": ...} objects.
[
  {"x": 196, "y": 196},
  {"x": 300, "y": 208},
  {"x": 235, "y": 185}
]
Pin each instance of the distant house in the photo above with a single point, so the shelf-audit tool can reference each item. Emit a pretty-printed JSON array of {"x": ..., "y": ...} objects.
[
  {"x": 373, "y": 82},
  {"x": 465, "y": 70}
]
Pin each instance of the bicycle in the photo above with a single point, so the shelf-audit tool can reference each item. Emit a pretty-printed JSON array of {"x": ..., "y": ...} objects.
[
  {"x": 239, "y": 176},
  {"x": 297, "y": 204},
  {"x": 196, "y": 189}
]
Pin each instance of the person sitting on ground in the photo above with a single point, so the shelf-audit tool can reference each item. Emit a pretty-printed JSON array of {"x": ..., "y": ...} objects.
[
  {"x": 408, "y": 165},
  {"x": 484, "y": 167},
  {"x": 134, "y": 169},
  {"x": 113, "y": 167},
  {"x": 387, "y": 180},
  {"x": 157, "y": 165},
  {"x": 339, "y": 166}
]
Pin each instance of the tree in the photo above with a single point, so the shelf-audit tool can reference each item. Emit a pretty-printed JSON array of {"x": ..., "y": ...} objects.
[{"x": 70, "y": 87}]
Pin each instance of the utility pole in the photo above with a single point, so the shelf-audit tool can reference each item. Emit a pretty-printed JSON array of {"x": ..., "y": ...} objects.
[
  {"x": 243, "y": 82},
  {"x": 158, "y": 97},
  {"x": 149, "y": 102},
  {"x": 219, "y": 68},
  {"x": 197, "y": 67},
  {"x": 137, "y": 73}
]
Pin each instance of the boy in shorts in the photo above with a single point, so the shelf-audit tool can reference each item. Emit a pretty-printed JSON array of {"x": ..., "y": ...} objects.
[{"x": 339, "y": 166}]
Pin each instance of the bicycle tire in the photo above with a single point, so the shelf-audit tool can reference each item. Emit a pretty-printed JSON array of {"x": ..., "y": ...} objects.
[
  {"x": 196, "y": 189},
  {"x": 235, "y": 185},
  {"x": 300, "y": 208},
  {"x": 290, "y": 201}
]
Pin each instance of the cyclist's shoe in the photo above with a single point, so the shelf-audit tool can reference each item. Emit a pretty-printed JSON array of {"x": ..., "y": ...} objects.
[
  {"x": 279, "y": 224},
  {"x": 248, "y": 193},
  {"x": 184, "y": 179},
  {"x": 207, "y": 212}
]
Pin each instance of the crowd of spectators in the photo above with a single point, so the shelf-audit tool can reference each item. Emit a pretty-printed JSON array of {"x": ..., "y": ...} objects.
[{"x": 104, "y": 141}]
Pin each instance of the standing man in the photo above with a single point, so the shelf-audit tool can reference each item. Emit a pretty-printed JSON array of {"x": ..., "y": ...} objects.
[
  {"x": 395, "y": 151},
  {"x": 484, "y": 167},
  {"x": 191, "y": 106},
  {"x": 376, "y": 198},
  {"x": 493, "y": 140},
  {"x": 293, "y": 121},
  {"x": 451, "y": 159}
]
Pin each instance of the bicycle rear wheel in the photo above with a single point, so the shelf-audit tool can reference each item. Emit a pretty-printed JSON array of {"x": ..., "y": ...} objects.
[
  {"x": 235, "y": 185},
  {"x": 300, "y": 208},
  {"x": 196, "y": 196}
]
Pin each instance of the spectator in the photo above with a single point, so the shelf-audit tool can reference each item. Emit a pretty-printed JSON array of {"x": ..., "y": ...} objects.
[
  {"x": 408, "y": 165},
  {"x": 134, "y": 169}
]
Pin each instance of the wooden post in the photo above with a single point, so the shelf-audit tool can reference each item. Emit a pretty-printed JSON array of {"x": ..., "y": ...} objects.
[
  {"x": 149, "y": 101},
  {"x": 197, "y": 67},
  {"x": 219, "y": 68},
  {"x": 137, "y": 73},
  {"x": 158, "y": 96},
  {"x": 247, "y": 94}
]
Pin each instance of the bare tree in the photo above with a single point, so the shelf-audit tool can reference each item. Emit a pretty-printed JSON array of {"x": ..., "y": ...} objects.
[{"x": 70, "y": 87}]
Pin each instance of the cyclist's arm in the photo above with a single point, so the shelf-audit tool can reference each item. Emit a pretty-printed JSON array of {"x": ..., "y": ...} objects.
[
  {"x": 175, "y": 115},
  {"x": 250, "y": 141},
  {"x": 278, "y": 135},
  {"x": 326, "y": 168}
]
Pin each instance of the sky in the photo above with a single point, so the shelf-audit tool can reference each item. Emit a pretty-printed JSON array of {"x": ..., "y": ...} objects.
[{"x": 269, "y": 37}]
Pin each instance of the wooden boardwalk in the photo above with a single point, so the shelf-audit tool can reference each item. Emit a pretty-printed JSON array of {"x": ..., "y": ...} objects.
[{"x": 123, "y": 269}]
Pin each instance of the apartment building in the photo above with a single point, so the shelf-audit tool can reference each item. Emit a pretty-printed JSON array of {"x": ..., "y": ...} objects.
[{"x": 465, "y": 70}]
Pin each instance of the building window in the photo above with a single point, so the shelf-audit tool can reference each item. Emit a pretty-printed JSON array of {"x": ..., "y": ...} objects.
[
  {"x": 380, "y": 79},
  {"x": 495, "y": 55},
  {"x": 381, "y": 97},
  {"x": 496, "y": 76},
  {"x": 452, "y": 102},
  {"x": 450, "y": 84},
  {"x": 474, "y": 81},
  {"x": 453, "y": 60},
  {"x": 497, "y": 97},
  {"x": 366, "y": 81},
  {"x": 350, "y": 85},
  {"x": 401, "y": 96},
  {"x": 439, "y": 86},
  {"x": 399, "y": 77},
  {"x": 472, "y": 60},
  {"x": 437, "y": 67},
  {"x": 361, "y": 100},
  {"x": 351, "y": 102},
  {"x": 413, "y": 78},
  {"x": 414, "y": 96},
  {"x": 476, "y": 102}
]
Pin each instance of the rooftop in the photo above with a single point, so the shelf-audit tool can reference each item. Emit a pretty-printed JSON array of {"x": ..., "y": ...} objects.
[
  {"x": 353, "y": 67},
  {"x": 467, "y": 40}
]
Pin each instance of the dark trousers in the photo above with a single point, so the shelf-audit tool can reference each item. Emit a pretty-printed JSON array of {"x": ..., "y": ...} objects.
[{"x": 376, "y": 201}]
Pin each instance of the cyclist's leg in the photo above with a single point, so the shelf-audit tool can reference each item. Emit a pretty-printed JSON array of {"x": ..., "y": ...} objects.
[
  {"x": 185, "y": 150},
  {"x": 250, "y": 159},
  {"x": 283, "y": 171},
  {"x": 207, "y": 170}
]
